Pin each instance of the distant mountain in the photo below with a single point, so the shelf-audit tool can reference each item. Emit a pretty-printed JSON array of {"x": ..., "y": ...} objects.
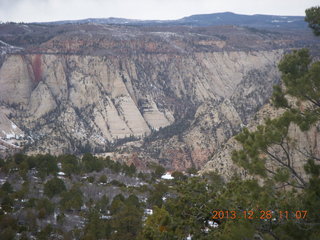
[
  {"x": 228, "y": 18},
  {"x": 215, "y": 19}
]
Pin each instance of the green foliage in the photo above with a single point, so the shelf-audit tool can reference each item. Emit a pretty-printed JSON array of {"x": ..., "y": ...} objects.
[
  {"x": 7, "y": 233},
  {"x": 125, "y": 223},
  {"x": 112, "y": 165},
  {"x": 22, "y": 193},
  {"x": 259, "y": 146},
  {"x": 127, "y": 219},
  {"x": 278, "y": 98},
  {"x": 158, "y": 226},
  {"x": 282, "y": 175},
  {"x": 246, "y": 195},
  {"x": 270, "y": 142},
  {"x": 117, "y": 183},
  {"x": 214, "y": 180},
  {"x": 19, "y": 158},
  {"x": 238, "y": 231},
  {"x": 45, "y": 232},
  {"x": 45, "y": 207},
  {"x": 312, "y": 168},
  {"x": 311, "y": 196},
  {"x": 91, "y": 163},
  {"x": 190, "y": 208},
  {"x": 313, "y": 18},
  {"x": 129, "y": 170},
  {"x": 8, "y": 227},
  {"x": 6, "y": 187},
  {"x": 178, "y": 176},
  {"x": 72, "y": 199},
  {"x": 60, "y": 218},
  {"x": 155, "y": 198},
  {"x": 294, "y": 67},
  {"x": 70, "y": 164},
  {"x": 133, "y": 200},
  {"x": 117, "y": 203},
  {"x": 7, "y": 203},
  {"x": 2, "y": 163},
  {"x": 95, "y": 227},
  {"x": 301, "y": 79},
  {"x": 158, "y": 170},
  {"x": 46, "y": 164},
  {"x": 54, "y": 187},
  {"x": 103, "y": 179},
  {"x": 192, "y": 170},
  {"x": 102, "y": 204},
  {"x": 300, "y": 76},
  {"x": 91, "y": 179}
]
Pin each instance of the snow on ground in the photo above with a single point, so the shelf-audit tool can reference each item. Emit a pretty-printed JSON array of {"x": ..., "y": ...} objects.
[
  {"x": 167, "y": 176},
  {"x": 6, "y": 48}
]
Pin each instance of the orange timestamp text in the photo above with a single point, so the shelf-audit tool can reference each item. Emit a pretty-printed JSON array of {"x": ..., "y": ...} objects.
[{"x": 259, "y": 214}]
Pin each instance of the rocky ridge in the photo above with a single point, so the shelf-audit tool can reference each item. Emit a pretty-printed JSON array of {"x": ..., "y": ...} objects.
[{"x": 95, "y": 87}]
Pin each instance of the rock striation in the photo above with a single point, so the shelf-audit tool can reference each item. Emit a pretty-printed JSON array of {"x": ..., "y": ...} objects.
[{"x": 178, "y": 92}]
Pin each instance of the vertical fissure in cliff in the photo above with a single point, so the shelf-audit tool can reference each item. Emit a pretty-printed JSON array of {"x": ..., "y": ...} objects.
[{"x": 37, "y": 68}]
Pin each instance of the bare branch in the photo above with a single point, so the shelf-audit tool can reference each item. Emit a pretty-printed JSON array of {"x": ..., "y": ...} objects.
[
  {"x": 307, "y": 154},
  {"x": 295, "y": 174}
]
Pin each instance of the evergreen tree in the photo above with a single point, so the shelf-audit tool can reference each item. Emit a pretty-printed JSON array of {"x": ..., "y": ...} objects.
[
  {"x": 271, "y": 143},
  {"x": 158, "y": 226},
  {"x": 313, "y": 18},
  {"x": 70, "y": 164},
  {"x": 72, "y": 199},
  {"x": 54, "y": 187}
]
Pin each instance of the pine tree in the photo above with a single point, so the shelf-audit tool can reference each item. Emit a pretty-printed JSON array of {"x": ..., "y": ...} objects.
[{"x": 312, "y": 17}]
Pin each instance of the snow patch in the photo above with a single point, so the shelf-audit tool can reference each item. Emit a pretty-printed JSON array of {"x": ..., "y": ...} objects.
[
  {"x": 167, "y": 176},
  {"x": 148, "y": 211},
  {"x": 10, "y": 135}
]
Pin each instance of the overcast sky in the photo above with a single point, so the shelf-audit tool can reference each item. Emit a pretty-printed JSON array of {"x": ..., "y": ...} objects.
[{"x": 51, "y": 10}]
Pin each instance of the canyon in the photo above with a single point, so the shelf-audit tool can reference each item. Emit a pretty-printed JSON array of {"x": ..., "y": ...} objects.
[{"x": 173, "y": 95}]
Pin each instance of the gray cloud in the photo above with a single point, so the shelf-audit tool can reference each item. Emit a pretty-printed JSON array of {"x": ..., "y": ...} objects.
[{"x": 50, "y": 10}]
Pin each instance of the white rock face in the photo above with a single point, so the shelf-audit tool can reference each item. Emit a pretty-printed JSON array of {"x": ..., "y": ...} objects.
[
  {"x": 9, "y": 130},
  {"x": 15, "y": 80},
  {"x": 41, "y": 101},
  {"x": 70, "y": 101},
  {"x": 155, "y": 118}
]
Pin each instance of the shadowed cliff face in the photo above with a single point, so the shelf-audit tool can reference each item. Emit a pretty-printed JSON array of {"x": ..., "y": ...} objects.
[{"x": 89, "y": 87}]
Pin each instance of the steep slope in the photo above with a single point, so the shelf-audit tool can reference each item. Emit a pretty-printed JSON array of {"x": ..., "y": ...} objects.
[
  {"x": 10, "y": 135},
  {"x": 305, "y": 142},
  {"x": 100, "y": 102},
  {"x": 94, "y": 87}
]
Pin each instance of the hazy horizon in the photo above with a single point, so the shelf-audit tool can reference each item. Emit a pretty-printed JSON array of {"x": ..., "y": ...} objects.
[{"x": 60, "y": 10}]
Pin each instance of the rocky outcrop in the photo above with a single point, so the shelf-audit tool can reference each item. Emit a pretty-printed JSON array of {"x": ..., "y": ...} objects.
[
  {"x": 303, "y": 145},
  {"x": 92, "y": 87},
  {"x": 11, "y": 136},
  {"x": 92, "y": 99},
  {"x": 9, "y": 130}
]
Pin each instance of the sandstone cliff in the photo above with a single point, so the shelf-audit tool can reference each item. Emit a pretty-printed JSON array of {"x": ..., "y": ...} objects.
[
  {"x": 94, "y": 87},
  {"x": 302, "y": 144}
]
